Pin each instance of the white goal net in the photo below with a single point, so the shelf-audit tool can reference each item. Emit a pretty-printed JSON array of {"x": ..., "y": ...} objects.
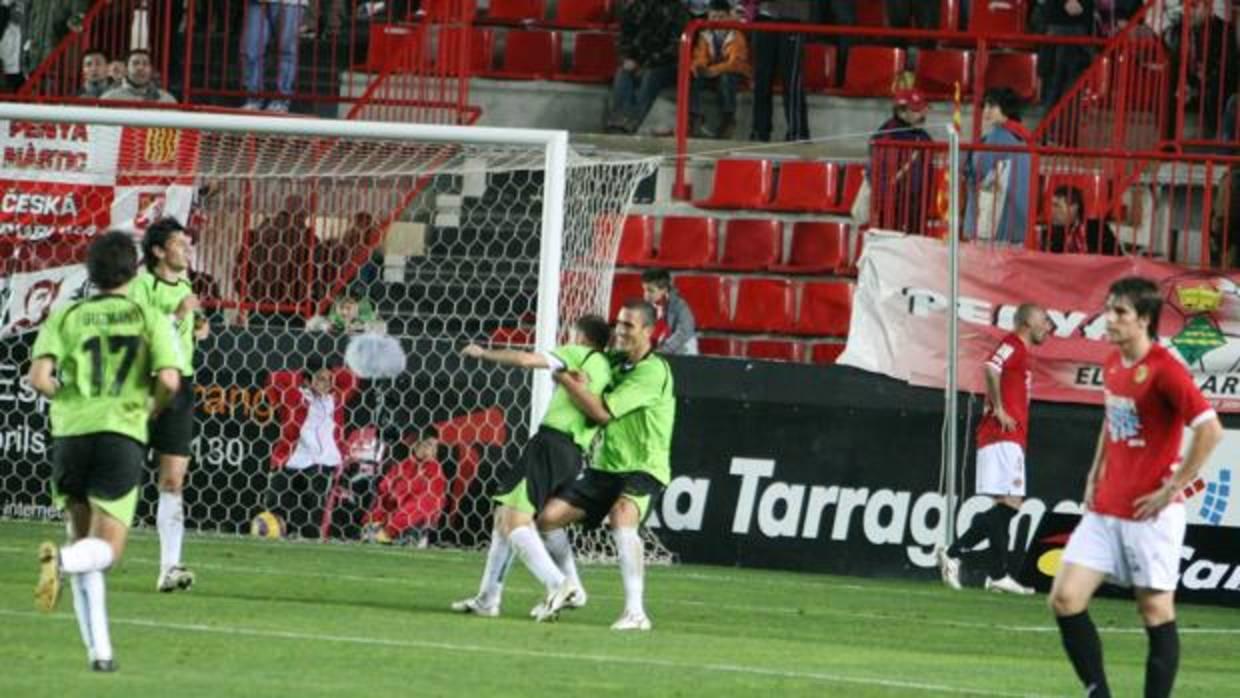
[{"x": 365, "y": 254}]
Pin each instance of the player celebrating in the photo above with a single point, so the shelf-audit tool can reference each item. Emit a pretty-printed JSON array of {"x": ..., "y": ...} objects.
[
  {"x": 96, "y": 360},
  {"x": 551, "y": 459},
  {"x": 637, "y": 412},
  {"x": 165, "y": 287},
  {"x": 1001, "y": 438},
  {"x": 1134, "y": 525}
]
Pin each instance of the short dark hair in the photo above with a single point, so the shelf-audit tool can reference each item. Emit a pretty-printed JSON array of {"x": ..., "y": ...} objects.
[
  {"x": 1004, "y": 98},
  {"x": 1073, "y": 196},
  {"x": 135, "y": 52},
  {"x": 94, "y": 51},
  {"x": 595, "y": 329},
  {"x": 647, "y": 311},
  {"x": 1143, "y": 294},
  {"x": 111, "y": 260},
  {"x": 659, "y": 278},
  {"x": 157, "y": 235}
]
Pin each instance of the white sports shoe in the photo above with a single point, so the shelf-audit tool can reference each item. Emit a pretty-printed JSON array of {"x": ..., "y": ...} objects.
[
  {"x": 556, "y": 600},
  {"x": 177, "y": 578},
  {"x": 473, "y": 605},
  {"x": 632, "y": 621},
  {"x": 578, "y": 601},
  {"x": 1007, "y": 585},
  {"x": 949, "y": 567}
]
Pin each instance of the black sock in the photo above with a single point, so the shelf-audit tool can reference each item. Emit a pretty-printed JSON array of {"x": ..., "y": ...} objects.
[
  {"x": 1080, "y": 641},
  {"x": 976, "y": 534},
  {"x": 1162, "y": 661},
  {"x": 1000, "y": 518}
]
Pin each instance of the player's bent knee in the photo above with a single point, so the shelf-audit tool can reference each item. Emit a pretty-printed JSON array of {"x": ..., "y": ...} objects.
[
  {"x": 1156, "y": 608},
  {"x": 625, "y": 514},
  {"x": 1066, "y": 602}
]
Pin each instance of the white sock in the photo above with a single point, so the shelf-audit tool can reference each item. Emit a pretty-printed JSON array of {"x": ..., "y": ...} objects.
[
  {"x": 561, "y": 549},
  {"x": 86, "y": 555},
  {"x": 529, "y": 544},
  {"x": 629, "y": 550},
  {"x": 499, "y": 556},
  {"x": 96, "y": 603},
  {"x": 81, "y": 609},
  {"x": 170, "y": 520}
]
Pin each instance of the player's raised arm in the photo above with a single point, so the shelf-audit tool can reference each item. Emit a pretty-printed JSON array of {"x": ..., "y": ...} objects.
[{"x": 510, "y": 357}]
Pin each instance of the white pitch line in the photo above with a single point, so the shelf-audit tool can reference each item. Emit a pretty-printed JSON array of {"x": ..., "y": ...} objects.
[
  {"x": 540, "y": 654},
  {"x": 744, "y": 608}
]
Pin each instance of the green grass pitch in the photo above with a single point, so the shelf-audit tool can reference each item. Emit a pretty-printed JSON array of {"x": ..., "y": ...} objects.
[{"x": 300, "y": 620}]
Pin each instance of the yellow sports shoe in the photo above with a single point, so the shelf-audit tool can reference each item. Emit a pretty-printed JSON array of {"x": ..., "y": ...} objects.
[{"x": 47, "y": 591}]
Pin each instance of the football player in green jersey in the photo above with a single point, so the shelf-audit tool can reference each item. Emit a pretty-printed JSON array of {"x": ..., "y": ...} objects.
[
  {"x": 107, "y": 364},
  {"x": 637, "y": 413},
  {"x": 164, "y": 286},
  {"x": 551, "y": 459}
]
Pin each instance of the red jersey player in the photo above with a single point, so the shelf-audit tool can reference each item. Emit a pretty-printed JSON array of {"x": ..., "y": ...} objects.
[
  {"x": 1133, "y": 529},
  {"x": 1001, "y": 438}
]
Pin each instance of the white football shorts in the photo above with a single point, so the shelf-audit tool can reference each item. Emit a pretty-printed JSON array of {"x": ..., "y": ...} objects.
[
  {"x": 1143, "y": 554},
  {"x": 1001, "y": 470}
]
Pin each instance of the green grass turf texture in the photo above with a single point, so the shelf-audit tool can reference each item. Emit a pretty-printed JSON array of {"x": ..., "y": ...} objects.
[{"x": 271, "y": 618}]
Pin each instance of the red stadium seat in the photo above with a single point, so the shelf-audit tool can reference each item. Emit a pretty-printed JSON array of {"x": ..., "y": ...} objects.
[
  {"x": 939, "y": 70},
  {"x": 450, "y": 49},
  {"x": 871, "y": 14},
  {"x": 687, "y": 242},
  {"x": 624, "y": 285},
  {"x": 529, "y": 55},
  {"x": 820, "y": 61},
  {"x": 636, "y": 241},
  {"x": 583, "y": 13},
  {"x": 826, "y": 352},
  {"x": 594, "y": 58},
  {"x": 809, "y": 186},
  {"x": 396, "y": 47},
  {"x": 719, "y": 346},
  {"x": 949, "y": 15},
  {"x": 1018, "y": 71},
  {"x": 854, "y": 176},
  {"x": 998, "y": 17},
  {"x": 825, "y": 309},
  {"x": 872, "y": 70},
  {"x": 763, "y": 305},
  {"x": 708, "y": 297},
  {"x": 818, "y": 247},
  {"x": 751, "y": 244},
  {"x": 741, "y": 184},
  {"x": 775, "y": 349},
  {"x": 517, "y": 10}
]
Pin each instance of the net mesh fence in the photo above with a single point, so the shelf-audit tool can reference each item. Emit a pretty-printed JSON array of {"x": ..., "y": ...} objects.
[{"x": 366, "y": 264}]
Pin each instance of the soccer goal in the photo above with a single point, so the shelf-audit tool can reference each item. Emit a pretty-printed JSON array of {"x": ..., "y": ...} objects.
[{"x": 369, "y": 253}]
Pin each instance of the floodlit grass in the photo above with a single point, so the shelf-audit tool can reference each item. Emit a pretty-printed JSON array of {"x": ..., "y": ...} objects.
[{"x": 283, "y": 619}]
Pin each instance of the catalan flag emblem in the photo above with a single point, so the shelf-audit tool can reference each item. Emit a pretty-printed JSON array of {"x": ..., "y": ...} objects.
[{"x": 161, "y": 145}]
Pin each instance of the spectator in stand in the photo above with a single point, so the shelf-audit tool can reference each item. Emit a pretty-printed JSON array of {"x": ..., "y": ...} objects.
[
  {"x": 298, "y": 486},
  {"x": 841, "y": 13},
  {"x": 675, "y": 329},
  {"x": 999, "y": 181},
  {"x": 411, "y": 497},
  {"x": 95, "y": 80},
  {"x": 1059, "y": 64},
  {"x": 649, "y": 36},
  {"x": 1071, "y": 232},
  {"x": 138, "y": 85},
  {"x": 720, "y": 61},
  {"x": 11, "y": 15},
  {"x": 262, "y": 18},
  {"x": 349, "y": 315},
  {"x": 913, "y": 14},
  {"x": 777, "y": 53},
  {"x": 116, "y": 72},
  {"x": 48, "y": 22},
  {"x": 900, "y": 172},
  {"x": 1214, "y": 58}
]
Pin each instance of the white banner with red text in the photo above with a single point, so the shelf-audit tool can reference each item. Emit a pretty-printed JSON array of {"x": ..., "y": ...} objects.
[{"x": 899, "y": 315}]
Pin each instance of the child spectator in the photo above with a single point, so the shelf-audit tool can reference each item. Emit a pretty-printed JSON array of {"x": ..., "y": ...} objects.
[
  {"x": 675, "y": 330},
  {"x": 348, "y": 315},
  {"x": 720, "y": 61},
  {"x": 411, "y": 496}
]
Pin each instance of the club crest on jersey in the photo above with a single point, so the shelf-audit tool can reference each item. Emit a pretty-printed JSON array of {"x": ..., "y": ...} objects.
[{"x": 1141, "y": 374}]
